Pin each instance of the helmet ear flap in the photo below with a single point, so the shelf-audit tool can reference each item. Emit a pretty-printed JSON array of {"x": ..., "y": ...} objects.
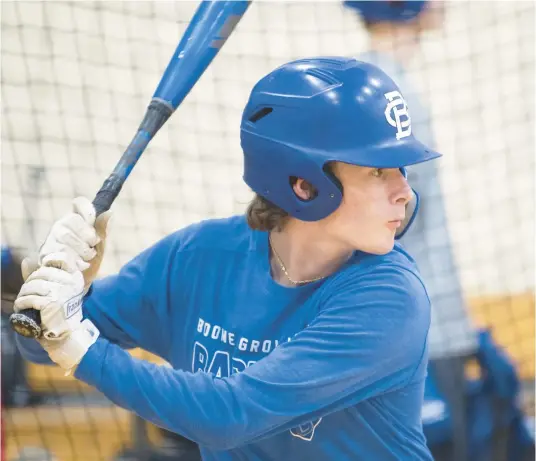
[{"x": 328, "y": 171}]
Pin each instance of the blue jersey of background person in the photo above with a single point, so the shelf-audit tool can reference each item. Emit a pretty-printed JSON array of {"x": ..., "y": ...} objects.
[
  {"x": 331, "y": 370},
  {"x": 452, "y": 332}
]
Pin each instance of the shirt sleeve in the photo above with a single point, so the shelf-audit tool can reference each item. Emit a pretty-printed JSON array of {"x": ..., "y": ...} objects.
[
  {"x": 368, "y": 338},
  {"x": 131, "y": 307},
  {"x": 125, "y": 307}
]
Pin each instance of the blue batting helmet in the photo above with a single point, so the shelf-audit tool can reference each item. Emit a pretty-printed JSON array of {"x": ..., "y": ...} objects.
[
  {"x": 385, "y": 10},
  {"x": 310, "y": 112}
]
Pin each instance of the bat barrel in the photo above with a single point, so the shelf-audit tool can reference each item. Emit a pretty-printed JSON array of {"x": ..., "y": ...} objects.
[{"x": 209, "y": 29}]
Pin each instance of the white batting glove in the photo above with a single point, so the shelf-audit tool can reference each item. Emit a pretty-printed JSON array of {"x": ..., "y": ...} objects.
[
  {"x": 69, "y": 351},
  {"x": 57, "y": 294},
  {"x": 76, "y": 241}
]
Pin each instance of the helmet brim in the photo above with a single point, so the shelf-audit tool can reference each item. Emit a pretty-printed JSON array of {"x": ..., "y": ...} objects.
[{"x": 395, "y": 155}]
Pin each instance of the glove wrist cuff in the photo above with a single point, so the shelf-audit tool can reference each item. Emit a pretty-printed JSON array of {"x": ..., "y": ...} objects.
[{"x": 69, "y": 352}]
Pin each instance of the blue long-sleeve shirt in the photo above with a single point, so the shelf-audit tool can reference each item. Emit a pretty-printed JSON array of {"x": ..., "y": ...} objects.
[{"x": 332, "y": 370}]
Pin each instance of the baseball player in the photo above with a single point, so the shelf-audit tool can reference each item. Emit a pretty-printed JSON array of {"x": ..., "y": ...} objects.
[
  {"x": 395, "y": 30},
  {"x": 295, "y": 331}
]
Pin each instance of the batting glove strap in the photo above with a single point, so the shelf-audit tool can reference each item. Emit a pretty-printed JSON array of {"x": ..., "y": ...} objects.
[{"x": 69, "y": 351}]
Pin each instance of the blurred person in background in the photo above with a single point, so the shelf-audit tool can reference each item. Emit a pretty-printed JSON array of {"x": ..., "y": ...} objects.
[
  {"x": 15, "y": 388},
  {"x": 486, "y": 420},
  {"x": 395, "y": 30}
]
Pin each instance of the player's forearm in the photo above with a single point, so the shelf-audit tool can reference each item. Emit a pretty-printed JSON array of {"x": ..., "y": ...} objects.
[
  {"x": 218, "y": 413},
  {"x": 197, "y": 406},
  {"x": 225, "y": 413}
]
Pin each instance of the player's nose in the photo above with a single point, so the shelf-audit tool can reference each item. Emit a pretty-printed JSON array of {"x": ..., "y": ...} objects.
[{"x": 403, "y": 192}]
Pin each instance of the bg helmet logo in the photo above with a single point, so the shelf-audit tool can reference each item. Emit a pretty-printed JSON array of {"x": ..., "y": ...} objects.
[{"x": 397, "y": 114}]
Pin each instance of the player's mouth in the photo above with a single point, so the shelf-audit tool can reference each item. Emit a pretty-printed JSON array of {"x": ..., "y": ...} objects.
[{"x": 395, "y": 224}]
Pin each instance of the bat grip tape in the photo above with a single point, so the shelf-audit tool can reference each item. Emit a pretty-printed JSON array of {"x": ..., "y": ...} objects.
[{"x": 156, "y": 115}]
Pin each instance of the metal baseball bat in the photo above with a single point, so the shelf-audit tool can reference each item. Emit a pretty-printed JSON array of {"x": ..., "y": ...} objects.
[{"x": 211, "y": 25}]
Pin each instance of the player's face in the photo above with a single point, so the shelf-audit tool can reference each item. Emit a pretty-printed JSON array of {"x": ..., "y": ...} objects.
[
  {"x": 372, "y": 207},
  {"x": 432, "y": 17}
]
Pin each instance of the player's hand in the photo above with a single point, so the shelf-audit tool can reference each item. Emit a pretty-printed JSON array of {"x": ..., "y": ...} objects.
[
  {"x": 76, "y": 241},
  {"x": 56, "y": 293}
]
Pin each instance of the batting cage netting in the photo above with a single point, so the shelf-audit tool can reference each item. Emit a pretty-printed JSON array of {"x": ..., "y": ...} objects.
[{"x": 77, "y": 77}]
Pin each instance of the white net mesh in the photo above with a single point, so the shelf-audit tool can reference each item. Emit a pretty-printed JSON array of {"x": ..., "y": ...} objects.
[{"x": 77, "y": 76}]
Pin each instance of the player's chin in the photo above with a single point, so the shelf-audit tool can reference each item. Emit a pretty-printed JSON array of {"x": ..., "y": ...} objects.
[{"x": 382, "y": 246}]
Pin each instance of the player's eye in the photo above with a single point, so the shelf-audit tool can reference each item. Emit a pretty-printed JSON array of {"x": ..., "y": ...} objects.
[{"x": 378, "y": 172}]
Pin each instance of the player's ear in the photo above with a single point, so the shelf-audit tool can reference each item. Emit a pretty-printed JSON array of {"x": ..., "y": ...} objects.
[{"x": 303, "y": 189}]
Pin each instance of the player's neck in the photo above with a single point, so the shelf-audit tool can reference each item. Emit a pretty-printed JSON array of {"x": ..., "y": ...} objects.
[
  {"x": 305, "y": 252},
  {"x": 399, "y": 44}
]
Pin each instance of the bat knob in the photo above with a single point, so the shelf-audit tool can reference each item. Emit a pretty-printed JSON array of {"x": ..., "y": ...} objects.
[{"x": 26, "y": 325}]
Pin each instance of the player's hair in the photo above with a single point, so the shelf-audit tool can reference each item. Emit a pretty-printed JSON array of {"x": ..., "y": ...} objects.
[{"x": 263, "y": 215}]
